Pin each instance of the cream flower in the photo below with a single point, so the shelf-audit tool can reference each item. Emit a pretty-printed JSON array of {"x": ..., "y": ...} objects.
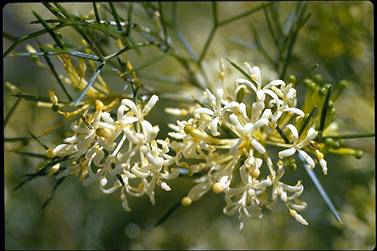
[{"x": 299, "y": 144}]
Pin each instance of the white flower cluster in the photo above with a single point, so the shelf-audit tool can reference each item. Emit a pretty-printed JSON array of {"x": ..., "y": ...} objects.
[
  {"x": 121, "y": 153},
  {"x": 228, "y": 134},
  {"x": 224, "y": 141}
]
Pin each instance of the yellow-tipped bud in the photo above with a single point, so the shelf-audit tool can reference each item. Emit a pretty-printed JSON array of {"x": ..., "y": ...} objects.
[
  {"x": 30, "y": 49},
  {"x": 99, "y": 105},
  {"x": 319, "y": 154},
  {"x": 53, "y": 97},
  {"x": 254, "y": 76},
  {"x": 298, "y": 217},
  {"x": 53, "y": 169},
  {"x": 186, "y": 201},
  {"x": 188, "y": 129},
  {"x": 83, "y": 42},
  {"x": 119, "y": 43},
  {"x": 103, "y": 132},
  {"x": 217, "y": 187},
  {"x": 51, "y": 153},
  {"x": 255, "y": 173}
]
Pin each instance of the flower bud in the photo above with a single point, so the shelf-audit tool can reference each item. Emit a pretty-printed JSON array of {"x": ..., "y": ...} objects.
[
  {"x": 217, "y": 187},
  {"x": 186, "y": 201}
]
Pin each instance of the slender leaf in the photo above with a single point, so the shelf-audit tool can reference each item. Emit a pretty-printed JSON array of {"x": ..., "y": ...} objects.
[
  {"x": 90, "y": 84},
  {"x": 324, "y": 111},
  {"x": 167, "y": 214},
  {"x": 246, "y": 13},
  {"x": 34, "y": 155},
  {"x": 60, "y": 82},
  {"x": 306, "y": 121},
  {"x": 11, "y": 111},
  {"x": 307, "y": 73},
  {"x": 57, "y": 184},
  {"x": 36, "y": 139},
  {"x": 98, "y": 19},
  {"x": 321, "y": 190},
  {"x": 351, "y": 136},
  {"x": 243, "y": 72},
  {"x": 282, "y": 135},
  {"x": 49, "y": 30},
  {"x": 115, "y": 15}
]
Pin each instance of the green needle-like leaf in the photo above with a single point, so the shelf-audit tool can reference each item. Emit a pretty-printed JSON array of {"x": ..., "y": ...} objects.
[
  {"x": 60, "y": 82},
  {"x": 98, "y": 19},
  {"x": 243, "y": 72},
  {"x": 167, "y": 214},
  {"x": 245, "y": 14},
  {"x": 351, "y": 136},
  {"x": 11, "y": 111},
  {"x": 324, "y": 111},
  {"x": 36, "y": 139},
  {"x": 57, "y": 184},
  {"x": 90, "y": 84},
  {"x": 32, "y": 98},
  {"x": 321, "y": 190},
  {"x": 115, "y": 15},
  {"x": 41, "y": 172},
  {"x": 306, "y": 121},
  {"x": 154, "y": 60},
  {"x": 307, "y": 73},
  {"x": 282, "y": 135},
  {"x": 49, "y": 30},
  {"x": 34, "y": 155}
]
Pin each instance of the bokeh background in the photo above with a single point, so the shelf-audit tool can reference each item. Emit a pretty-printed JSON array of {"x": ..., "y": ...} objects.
[{"x": 339, "y": 36}]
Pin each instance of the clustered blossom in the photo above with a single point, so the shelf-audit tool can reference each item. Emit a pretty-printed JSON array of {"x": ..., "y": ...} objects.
[
  {"x": 223, "y": 140},
  {"x": 119, "y": 153},
  {"x": 228, "y": 135}
]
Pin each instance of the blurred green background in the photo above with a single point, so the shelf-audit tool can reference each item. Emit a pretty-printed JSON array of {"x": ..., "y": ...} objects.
[{"x": 339, "y": 36}]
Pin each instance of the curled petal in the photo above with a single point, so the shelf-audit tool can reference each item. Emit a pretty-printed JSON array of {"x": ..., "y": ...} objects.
[
  {"x": 130, "y": 104},
  {"x": 273, "y": 95},
  {"x": 176, "y": 135},
  {"x": 308, "y": 159},
  {"x": 263, "y": 184},
  {"x": 287, "y": 153},
  {"x": 151, "y": 103},
  {"x": 247, "y": 83},
  {"x": 213, "y": 126},
  {"x": 239, "y": 87},
  {"x": 204, "y": 110},
  {"x": 267, "y": 114},
  {"x": 107, "y": 118},
  {"x": 293, "y": 189},
  {"x": 275, "y": 83},
  {"x": 312, "y": 133},
  {"x": 293, "y": 131},
  {"x": 130, "y": 136},
  {"x": 299, "y": 206},
  {"x": 121, "y": 110},
  {"x": 128, "y": 120},
  {"x": 295, "y": 110}
]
